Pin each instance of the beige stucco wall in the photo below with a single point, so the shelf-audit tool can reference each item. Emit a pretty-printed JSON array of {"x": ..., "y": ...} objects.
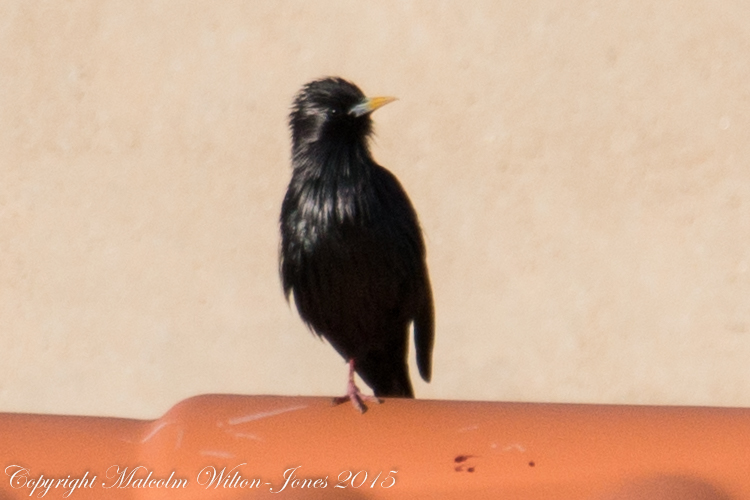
[{"x": 581, "y": 170}]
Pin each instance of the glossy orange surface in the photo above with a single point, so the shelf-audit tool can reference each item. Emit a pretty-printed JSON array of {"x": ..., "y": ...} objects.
[{"x": 236, "y": 447}]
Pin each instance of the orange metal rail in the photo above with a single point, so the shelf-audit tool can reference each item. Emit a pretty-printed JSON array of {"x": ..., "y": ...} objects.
[{"x": 238, "y": 447}]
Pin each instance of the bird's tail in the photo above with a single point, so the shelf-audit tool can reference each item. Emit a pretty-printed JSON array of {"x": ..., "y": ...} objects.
[{"x": 386, "y": 374}]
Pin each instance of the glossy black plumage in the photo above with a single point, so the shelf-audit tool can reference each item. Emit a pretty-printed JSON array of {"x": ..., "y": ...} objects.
[{"x": 352, "y": 252}]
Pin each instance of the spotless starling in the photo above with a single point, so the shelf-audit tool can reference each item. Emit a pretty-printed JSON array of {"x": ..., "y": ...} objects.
[{"x": 352, "y": 252}]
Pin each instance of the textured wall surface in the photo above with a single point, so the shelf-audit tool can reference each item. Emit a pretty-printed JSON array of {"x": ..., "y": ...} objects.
[{"x": 580, "y": 169}]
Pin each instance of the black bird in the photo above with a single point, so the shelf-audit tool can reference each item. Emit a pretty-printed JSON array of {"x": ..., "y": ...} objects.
[{"x": 352, "y": 252}]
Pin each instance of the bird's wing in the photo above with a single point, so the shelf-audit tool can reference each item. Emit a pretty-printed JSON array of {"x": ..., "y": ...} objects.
[
  {"x": 424, "y": 329},
  {"x": 411, "y": 257}
]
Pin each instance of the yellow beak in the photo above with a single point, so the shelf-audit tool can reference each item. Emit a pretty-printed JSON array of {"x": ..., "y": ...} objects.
[{"x": 370, "y": 104}]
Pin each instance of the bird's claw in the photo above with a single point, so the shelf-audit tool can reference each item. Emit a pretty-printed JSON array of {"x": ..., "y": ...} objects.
[{"x": 358, "y": 399}]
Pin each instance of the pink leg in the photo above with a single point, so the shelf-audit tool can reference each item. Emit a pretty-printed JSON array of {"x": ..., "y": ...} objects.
[{"x": 353, "y": 393}]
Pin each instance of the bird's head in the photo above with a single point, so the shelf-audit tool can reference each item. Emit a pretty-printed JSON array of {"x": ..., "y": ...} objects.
[{"x": 334, "y": 111}]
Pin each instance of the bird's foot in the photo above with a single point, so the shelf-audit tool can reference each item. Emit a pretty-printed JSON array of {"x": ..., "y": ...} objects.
[{"x": 358, "y": 399}]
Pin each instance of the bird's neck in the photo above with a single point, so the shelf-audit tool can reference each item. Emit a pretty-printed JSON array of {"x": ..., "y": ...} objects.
[
  {"x": 340, "y": 162},
  {"x": 333, "y": 181}
]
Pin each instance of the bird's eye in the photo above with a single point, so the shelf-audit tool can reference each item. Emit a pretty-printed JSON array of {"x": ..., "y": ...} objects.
[{"x": 334, "y": 111}]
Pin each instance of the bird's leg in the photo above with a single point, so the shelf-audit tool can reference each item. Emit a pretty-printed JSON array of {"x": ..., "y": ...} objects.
[{"x": 353, "y": 393}]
